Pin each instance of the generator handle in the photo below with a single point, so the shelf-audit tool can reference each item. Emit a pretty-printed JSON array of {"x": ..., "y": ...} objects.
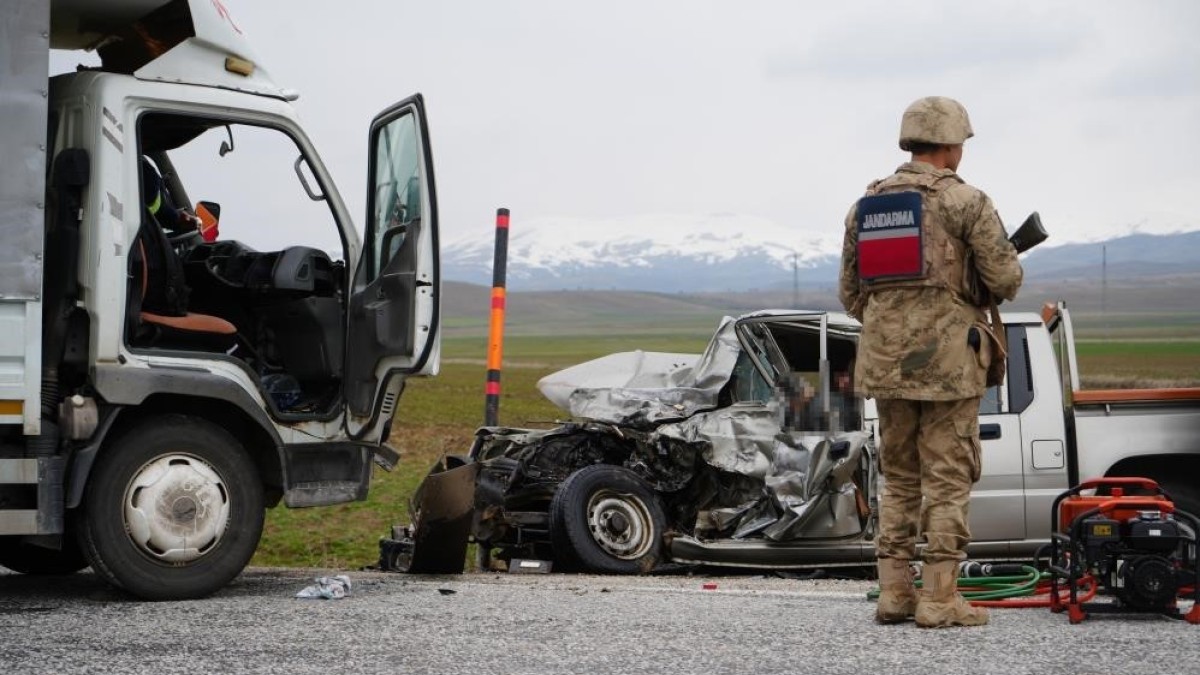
[
  {"x": 1155, "y": 504},
  {"x": 1145, "y": 483}
]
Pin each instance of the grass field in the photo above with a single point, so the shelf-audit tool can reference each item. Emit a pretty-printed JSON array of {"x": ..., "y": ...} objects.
[
  {"x": 439, "y": 415},
  {"x": 1138, "y": 363}
]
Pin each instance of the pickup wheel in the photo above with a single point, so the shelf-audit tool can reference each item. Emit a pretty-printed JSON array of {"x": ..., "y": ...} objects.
[
  {"x": 606, "y": 519},
  {"x": 173, "y": 510},
  {"x": 26, "y": 558},
  {"x": 1183, "y": 493}
]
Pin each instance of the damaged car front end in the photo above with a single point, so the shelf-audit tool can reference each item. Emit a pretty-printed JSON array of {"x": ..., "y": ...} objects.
[{"x": 755, "y": 453}]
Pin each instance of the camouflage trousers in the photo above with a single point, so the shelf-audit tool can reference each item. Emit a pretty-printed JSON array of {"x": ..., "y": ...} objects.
[{"x": 930, "y": 458}]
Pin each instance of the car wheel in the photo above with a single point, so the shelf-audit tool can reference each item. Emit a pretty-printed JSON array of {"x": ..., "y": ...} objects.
[
  {"x": 606, "y": 519},
  {"x": 173, "y": 510},
  {"x": 20, "y": 556}
]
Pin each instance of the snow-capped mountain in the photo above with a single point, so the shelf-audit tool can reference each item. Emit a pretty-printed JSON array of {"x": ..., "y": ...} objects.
[
  {"x": 727, "y": 252},
  {"x": 667, "y": 253}
]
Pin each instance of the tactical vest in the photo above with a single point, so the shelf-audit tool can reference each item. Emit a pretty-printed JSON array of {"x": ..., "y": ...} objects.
[{"x": 902, "y": 252}]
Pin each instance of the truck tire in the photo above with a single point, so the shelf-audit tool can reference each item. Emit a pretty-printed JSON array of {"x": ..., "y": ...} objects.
[
  {"x": 606, "y": 519},
  {"x": 25, "y": 558},
  {"x": 173, "y": 509}
]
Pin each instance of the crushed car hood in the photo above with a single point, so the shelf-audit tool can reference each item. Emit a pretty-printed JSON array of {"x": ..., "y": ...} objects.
[{"x": 645, "y": 388}]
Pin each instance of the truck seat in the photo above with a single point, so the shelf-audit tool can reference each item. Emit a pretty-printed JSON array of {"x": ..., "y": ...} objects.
[{"x": 185, "y": 330}]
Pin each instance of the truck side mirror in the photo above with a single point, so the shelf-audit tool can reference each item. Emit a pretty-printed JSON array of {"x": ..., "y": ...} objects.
[
  {"x": 226, "y": 146},
  {"x": 209, "y": 214}
]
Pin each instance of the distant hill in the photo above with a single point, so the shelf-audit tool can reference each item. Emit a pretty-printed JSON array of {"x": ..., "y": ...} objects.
[{"x": 1130, "y": 257}]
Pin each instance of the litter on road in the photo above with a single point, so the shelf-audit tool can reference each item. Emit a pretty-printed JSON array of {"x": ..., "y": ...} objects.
[{"x": 327, "y": 588}]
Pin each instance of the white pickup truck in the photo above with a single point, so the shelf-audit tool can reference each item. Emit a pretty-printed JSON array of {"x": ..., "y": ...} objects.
[
  {"x": 161, "y": 385},
  {"x": 688, "y": 458}
]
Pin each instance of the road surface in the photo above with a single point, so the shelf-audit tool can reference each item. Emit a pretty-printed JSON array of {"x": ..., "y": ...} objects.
[{"x": 484, "y": 624}]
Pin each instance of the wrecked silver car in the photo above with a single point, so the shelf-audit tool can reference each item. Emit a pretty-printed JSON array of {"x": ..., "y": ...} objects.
[{"x": 752, "y": 454}]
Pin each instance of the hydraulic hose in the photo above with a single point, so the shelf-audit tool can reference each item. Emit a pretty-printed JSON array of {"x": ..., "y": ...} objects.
[
  {"x": 1039, "y": 596},
  {"x": 1000, "y": 587}
]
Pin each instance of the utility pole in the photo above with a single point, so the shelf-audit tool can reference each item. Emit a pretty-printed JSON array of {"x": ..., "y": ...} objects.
[{"x": 795, "y": 281}]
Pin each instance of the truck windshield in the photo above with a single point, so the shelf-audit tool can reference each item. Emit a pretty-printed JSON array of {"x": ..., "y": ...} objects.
[{"x": 263, "y": 203}]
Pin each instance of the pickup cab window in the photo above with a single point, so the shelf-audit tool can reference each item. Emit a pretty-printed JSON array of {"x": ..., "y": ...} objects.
[{"x": 990, "y": 403}]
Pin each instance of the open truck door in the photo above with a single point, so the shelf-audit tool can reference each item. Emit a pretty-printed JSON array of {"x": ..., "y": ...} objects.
[{"x": 393, "y": 312}]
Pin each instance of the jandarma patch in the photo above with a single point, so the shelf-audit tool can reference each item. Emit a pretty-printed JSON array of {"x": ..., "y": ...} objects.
[{"x": 889, "y": 237}]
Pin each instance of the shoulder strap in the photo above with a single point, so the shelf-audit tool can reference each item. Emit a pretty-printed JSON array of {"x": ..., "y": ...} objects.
[{"x": 1000, "y": 339}]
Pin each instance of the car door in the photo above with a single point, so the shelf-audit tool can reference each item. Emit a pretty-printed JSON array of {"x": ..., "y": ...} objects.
[{"x": 393, "y": 327}]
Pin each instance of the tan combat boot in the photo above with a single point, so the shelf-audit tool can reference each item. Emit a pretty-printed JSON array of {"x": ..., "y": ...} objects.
[
  {"x": 897, "y": 597},
  {"x": 939, "y": 604}
]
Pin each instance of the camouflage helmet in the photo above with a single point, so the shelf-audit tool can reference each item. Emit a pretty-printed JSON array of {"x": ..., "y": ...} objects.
[{"x": 937, "y": 120}]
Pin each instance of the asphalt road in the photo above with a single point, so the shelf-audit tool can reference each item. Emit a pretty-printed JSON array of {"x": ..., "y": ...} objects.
[{"x": 496, "y": 623}]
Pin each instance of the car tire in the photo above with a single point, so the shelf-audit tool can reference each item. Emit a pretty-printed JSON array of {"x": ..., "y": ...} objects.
[
  {"x": 606, "y": 519},
  {"x": 173, "y": 509},
  {"x": 26, "y": 558}
]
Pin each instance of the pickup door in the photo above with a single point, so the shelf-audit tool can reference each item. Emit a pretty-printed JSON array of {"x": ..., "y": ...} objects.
[{"x": 998, "y": 499}]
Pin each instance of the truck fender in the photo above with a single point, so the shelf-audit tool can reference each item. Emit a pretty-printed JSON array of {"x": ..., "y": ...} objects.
[
  {"x": 126, "y": 387},
  {"x": 132, "y": 386}
]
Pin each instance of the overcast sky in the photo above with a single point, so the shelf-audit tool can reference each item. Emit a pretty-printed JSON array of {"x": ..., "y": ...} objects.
[{"x": 1088, "y": 112}]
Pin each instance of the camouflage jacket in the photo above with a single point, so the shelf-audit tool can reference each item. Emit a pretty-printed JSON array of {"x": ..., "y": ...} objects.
[{"x": 914, "y": 342}]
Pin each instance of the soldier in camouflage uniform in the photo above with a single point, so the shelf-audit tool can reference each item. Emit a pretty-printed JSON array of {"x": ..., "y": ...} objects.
[{"x": 915, "y": 271}]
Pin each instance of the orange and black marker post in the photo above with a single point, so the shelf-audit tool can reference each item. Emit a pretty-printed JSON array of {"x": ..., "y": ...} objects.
[{"x": 491, "y": 412}]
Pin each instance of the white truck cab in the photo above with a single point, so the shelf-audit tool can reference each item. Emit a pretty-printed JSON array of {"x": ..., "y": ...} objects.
[{"x": 168, "y": 367}]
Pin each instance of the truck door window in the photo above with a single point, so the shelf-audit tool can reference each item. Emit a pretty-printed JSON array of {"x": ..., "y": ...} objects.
[
  {"x": 264, "y": 205},
  {"x": 398, "y": 188}
]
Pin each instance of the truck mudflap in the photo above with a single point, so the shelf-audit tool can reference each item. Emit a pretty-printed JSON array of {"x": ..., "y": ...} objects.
[{"x": 443, "y": 509}]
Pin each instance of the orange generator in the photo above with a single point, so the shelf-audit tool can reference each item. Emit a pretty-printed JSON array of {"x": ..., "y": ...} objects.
[{"x": 1127, "y": 537}]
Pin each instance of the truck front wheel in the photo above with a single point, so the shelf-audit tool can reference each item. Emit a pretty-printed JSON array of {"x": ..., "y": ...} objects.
[{"x": 173, "y": 510}]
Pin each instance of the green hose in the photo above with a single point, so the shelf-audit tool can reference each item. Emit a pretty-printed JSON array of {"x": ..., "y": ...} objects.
[{"x": 994, "y": 588}]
